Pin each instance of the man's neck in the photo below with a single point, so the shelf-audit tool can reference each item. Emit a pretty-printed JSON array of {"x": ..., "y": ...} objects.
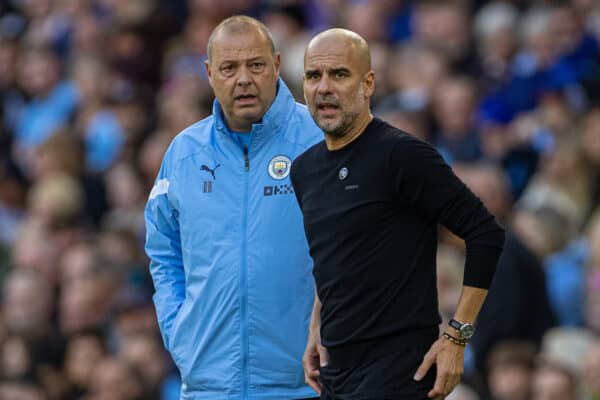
[
  {"x": 335, "y": 143},
  {"x": 238, "y": 127}
]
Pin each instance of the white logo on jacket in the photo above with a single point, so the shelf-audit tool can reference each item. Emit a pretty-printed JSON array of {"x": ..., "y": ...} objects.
[{"x": 161, "y": 187}]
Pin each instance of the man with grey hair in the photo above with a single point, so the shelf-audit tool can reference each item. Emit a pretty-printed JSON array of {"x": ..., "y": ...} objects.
[{"x": 229, "y": 261}]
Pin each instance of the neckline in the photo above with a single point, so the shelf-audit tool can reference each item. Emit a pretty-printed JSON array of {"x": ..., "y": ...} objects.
[{"x": 354, "y": 142}]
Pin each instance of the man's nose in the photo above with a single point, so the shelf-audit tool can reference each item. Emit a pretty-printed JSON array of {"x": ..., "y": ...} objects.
[
  {"x": 324, "y": 86},
  {"x": 244, "y": 78}
]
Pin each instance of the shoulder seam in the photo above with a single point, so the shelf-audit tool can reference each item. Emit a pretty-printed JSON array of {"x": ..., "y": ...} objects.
[
  {"x": 296, "y": 115},
  {"x": 201, "y": 147}
]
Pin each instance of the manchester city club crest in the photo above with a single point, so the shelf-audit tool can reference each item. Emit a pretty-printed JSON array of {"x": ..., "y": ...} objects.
[{"x": 279, "y": 167}]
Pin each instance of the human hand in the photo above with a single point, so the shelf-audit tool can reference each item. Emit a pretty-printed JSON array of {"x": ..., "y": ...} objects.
[
  {"x": 315, "y": 356},
  {"x": 449, "y": 359}
]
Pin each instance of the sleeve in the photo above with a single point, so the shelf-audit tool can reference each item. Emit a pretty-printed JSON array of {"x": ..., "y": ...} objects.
[
  {"x": 426, "y": 183},
  {"x": 163, "y": 246}
]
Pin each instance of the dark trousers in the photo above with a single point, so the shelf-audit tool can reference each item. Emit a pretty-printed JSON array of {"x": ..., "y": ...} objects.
[{"x": 389, "y": 377}]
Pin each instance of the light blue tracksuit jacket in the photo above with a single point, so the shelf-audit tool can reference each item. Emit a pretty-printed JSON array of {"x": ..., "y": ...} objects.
[{"x": 229, "y": 259}]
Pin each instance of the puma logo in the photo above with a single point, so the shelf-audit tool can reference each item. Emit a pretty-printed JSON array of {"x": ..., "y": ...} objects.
[{"x": 211, "y": 171}]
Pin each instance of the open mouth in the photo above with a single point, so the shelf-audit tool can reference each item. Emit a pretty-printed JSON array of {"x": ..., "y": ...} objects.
[
  {"x": 327, "y": 107},
  {"x": 245, "y": 98}
]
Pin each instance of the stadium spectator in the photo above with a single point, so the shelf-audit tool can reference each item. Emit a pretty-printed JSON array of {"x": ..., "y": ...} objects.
[
  {"x": 511, "y": 365},
  {"x": 82, "y": 354},
  {"x": 52, "y": 103},
  {"x": 553, "y": 382},
  {"x": 591, "y": 371},
  {"x": 114, "y": 379},
  {"x": 454, "y": 101}
]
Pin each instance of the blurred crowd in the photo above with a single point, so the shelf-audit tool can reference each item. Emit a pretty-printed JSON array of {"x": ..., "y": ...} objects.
[{"x": 93, "y": 91}]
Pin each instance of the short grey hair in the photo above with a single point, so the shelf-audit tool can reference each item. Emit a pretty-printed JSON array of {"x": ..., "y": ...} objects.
[{"x": 239, "y": 24}]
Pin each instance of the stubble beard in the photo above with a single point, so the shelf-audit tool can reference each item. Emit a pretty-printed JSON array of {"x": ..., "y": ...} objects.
[{"x": 340, "y": 129}]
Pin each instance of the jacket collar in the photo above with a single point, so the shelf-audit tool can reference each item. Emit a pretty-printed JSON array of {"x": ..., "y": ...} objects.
[{"x": 274, "y": 119}]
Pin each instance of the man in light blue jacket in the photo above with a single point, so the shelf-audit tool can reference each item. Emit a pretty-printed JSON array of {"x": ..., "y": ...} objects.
[{"x": 229, "y": 258}]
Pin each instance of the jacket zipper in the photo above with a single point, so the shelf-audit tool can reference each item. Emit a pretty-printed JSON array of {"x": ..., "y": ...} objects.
[
  {"x": 246, "y": 159},
  {"x": 243, "y": 282}
]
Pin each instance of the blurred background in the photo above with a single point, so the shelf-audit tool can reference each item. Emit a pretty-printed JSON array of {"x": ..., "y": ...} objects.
[{"x": 93, "y": 91}]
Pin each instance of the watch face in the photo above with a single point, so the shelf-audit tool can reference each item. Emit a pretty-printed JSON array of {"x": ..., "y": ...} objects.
[{"x": 466, "y": 331}]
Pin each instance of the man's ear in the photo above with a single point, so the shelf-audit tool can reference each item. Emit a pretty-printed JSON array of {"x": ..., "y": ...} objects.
[
  {"x": 208, "y": 71},
  {"x": 277, "y": 63},
  {"x": 369, "y": 83}
]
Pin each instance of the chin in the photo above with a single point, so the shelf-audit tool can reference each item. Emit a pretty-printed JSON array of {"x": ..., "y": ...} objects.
[
  {"x": 331, "y": 129},
  {"x": 337, "y": 133},
  {"x": 250, "y": 116}
]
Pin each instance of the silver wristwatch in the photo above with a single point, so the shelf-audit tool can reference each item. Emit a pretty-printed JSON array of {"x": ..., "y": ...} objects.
[{"x": 465, "y": 329}]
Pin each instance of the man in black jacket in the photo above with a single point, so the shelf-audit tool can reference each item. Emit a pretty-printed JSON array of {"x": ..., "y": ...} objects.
[{"x": 372, "y": 197}]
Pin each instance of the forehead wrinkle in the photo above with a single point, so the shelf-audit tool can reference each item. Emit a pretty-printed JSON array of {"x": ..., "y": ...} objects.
[
  {"x": 325, "y": 62},
  {"x": 239, "y": 54}
]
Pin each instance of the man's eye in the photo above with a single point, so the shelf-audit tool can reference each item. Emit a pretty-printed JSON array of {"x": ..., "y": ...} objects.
[
  {"x": 227, "y": 68},
  {"x": 257, "y": 66},
  {"x": 340, "y": 74}
]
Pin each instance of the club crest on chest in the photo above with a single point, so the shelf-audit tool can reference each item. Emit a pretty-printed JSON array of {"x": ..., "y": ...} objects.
[
  {"x": 279, "y": 167},
  {"x": 343, "y": 174}
]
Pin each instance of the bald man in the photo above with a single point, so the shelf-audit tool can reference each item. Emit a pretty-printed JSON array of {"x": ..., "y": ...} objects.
[
  {"x": 372, "y": 197},
  {"x": 229, "y": 260}
]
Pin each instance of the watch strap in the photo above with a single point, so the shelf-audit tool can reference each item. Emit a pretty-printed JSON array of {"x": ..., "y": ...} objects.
[{"x": 455, "y": 324}]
